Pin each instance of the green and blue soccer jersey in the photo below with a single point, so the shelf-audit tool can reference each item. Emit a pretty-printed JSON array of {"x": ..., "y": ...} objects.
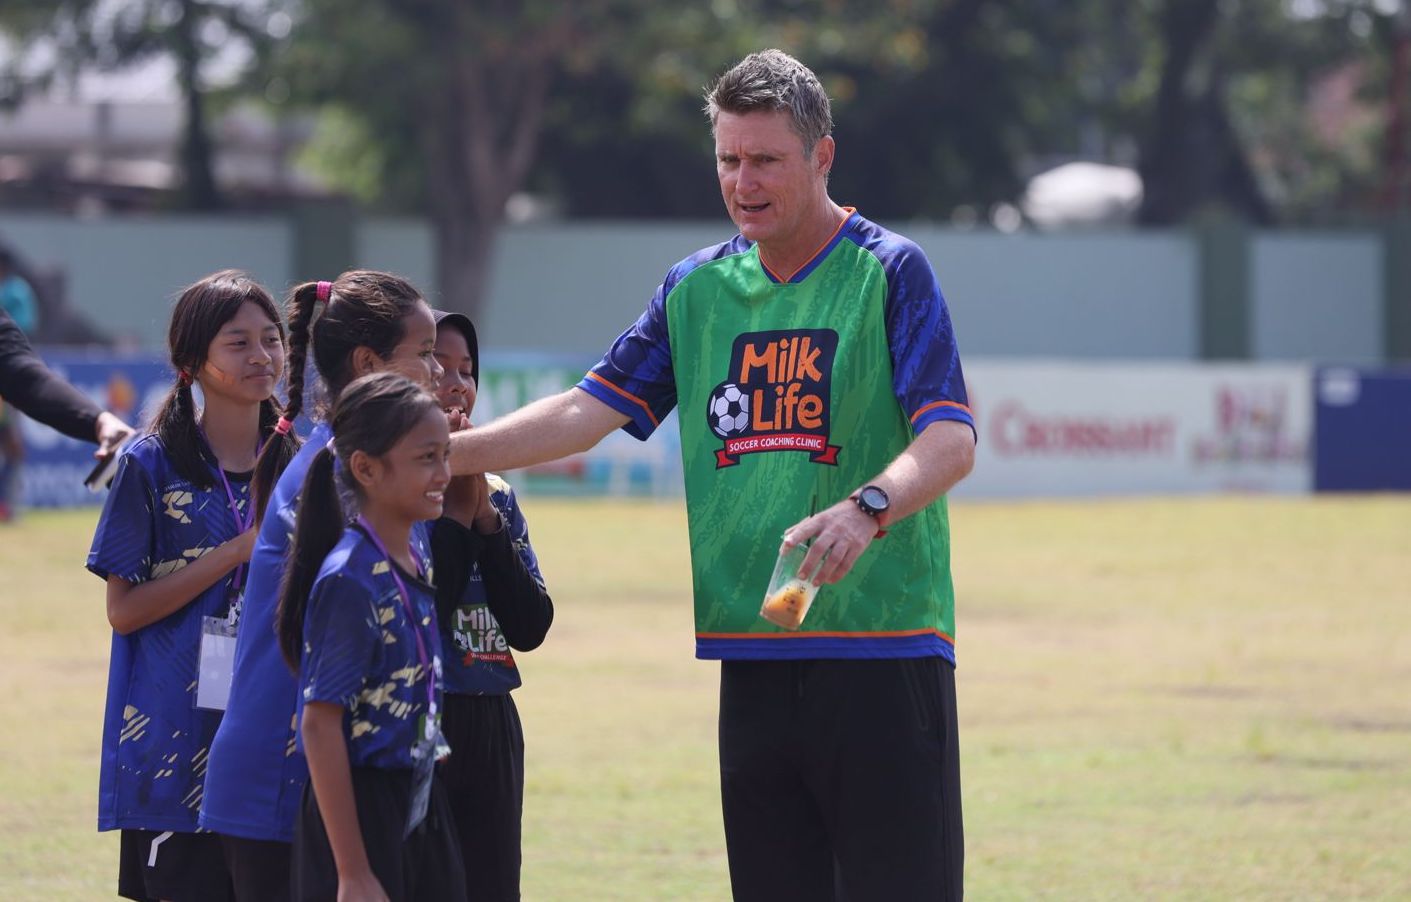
[
  {"x": 793, "y": 392},
  {"x": 367, "y": 653},
  {"x": 155, "y": 740}
]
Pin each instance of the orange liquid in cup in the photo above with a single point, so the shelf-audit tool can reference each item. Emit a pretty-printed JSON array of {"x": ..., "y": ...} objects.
[{"x": 787, "y": 606}]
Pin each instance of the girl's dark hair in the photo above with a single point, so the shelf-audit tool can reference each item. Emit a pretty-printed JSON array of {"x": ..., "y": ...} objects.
[
  {"x": 200, "y": 312},
  {"x": 363, "y": 308},
  {"x": 371, "y": 415}
]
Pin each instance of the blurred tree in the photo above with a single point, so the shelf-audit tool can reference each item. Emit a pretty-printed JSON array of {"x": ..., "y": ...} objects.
[
  {"x": 1225, "y": 107},
  {"x": 75, "y": 35},
  {"x": 445, "y": 103},
  {"x": 937, "y": 103}
]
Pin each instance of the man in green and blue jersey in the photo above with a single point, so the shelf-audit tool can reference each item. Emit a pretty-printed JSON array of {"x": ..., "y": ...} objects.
[{"x": 814, "y": 367}]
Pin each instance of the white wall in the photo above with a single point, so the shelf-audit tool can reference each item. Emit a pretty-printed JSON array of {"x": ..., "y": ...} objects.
[{"x": 126, "y": 273}]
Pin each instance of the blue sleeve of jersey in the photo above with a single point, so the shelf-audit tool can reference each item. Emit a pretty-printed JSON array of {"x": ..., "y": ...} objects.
[
  {"x": 926, "y": 375},
  {"x": 635, "y": 377},
  {"x": 341, "y": 642},
  {"x": 124, "y": 543},
  {"x": 518, "y": 527}
]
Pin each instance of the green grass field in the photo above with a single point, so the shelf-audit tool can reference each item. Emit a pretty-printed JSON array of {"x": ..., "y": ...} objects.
[{"x": 1160, "y": 699}]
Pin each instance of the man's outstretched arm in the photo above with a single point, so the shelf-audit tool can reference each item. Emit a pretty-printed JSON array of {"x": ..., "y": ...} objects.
[{"x": 545, "y": 430}]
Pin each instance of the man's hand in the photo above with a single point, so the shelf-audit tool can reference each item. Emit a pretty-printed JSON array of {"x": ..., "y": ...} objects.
[
  {"x": 110, "y": 433},
  {"x": 842, "y": 532}
]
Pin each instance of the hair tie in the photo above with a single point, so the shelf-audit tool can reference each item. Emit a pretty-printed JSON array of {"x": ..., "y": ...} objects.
[
  {"x": 283, "y": 426},
  {"x": 323, "y": 291},
  {"x": 184, "y": 377}
]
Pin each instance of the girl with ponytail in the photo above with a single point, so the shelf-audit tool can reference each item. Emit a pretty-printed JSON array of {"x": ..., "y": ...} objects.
[
  {"x": 172, "y": 544},
  {"x": 357, "y": 623},
  {"x": 360, "y": 323}
]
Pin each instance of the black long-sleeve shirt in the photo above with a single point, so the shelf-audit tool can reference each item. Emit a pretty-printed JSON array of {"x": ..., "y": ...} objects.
[
  {"x": 32, "y": 387},
  {"x": 522, "y": 607}
]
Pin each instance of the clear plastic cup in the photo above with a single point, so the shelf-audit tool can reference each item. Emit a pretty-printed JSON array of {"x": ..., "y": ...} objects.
[{"x": 789, "y": 596}]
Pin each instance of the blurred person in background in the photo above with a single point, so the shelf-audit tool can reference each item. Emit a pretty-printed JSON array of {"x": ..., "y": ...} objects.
[
  {"x": 813, "y": 363},
  {"x": 30, "y": 387},
  {"x": 17, "y": 299}
]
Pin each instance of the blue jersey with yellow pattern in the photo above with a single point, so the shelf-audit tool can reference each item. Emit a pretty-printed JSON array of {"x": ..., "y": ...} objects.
[
  {"x": 256, "y": 778},
  {"x": 155, "y": 740},
  {"x": 478, "y": 656},
  {"x": 361, "y": 651}
]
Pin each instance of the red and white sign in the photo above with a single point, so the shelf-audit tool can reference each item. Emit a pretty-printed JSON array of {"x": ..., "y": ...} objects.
[{"x": 1137, "y": 428}]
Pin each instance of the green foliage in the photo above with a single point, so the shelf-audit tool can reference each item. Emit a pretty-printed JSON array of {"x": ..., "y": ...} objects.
[{"x": 938, "y": 103}]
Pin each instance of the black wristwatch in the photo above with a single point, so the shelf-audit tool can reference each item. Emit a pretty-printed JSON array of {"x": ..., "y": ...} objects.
[{"x": 872, "y": 501}]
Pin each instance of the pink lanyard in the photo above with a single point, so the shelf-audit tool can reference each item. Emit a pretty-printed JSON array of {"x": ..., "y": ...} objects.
[
  {"x": 423, "y": 656},
  {"x": 242, "y": 521}
]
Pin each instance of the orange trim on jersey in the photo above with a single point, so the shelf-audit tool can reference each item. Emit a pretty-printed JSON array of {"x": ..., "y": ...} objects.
[
  {"x": 813, "y": 256},
  {"x": 896, "y": 634},
  {"x": 628, "y": 395},
  {"x": 934, "y": 404}
]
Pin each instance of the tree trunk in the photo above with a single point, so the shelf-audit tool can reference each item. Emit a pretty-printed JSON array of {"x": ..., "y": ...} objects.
[
  {"x": 465, "y": 252},
  {"x": 198, "y": 188},
  {"x": 480, "y": 142},
  {"x": 1170, "y": 155},
  {"x": 1193, "y": 155}
]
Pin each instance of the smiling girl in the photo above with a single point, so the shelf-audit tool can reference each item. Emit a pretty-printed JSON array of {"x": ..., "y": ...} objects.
[
  {"x": 172, "y": 543},
  {"x": 357, "y": 622},
  {"x": 362, "y": 322}
]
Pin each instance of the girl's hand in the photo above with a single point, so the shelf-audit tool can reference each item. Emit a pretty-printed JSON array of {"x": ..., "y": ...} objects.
[
  {"x": 462, "y": 500},
  {"x": 244, "y": 544},
  {"x": 468, "y": 503},
  {"x": 485, "y": 518},
  {"x": 361, "y": 887},
  {"x": 457, "y": 420}
]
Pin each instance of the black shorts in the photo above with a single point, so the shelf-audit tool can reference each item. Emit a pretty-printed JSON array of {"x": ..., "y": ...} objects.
[
  {"x": 840, "y": 780},
  {"x": 423, "y": 866},
  {"x": 259, "y": 868},
  {"x": 176, "y": 867},
  {"x": 484, "y": 780}
]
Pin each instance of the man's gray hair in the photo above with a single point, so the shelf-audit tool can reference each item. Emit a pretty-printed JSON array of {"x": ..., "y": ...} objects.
[{"x": 768, "y": 81}]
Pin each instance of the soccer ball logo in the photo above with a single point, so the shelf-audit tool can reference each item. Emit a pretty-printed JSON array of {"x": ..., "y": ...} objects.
[{"x": 729, "y": 410}]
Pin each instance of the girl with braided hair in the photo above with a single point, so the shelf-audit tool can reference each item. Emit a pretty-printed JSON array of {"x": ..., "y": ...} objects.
[
  {"x": 360, "y": 323},
  {"x": 172, "y": 544}
]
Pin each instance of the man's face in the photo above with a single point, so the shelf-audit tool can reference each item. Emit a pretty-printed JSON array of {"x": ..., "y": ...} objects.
[{"x": 769, "y": 186}]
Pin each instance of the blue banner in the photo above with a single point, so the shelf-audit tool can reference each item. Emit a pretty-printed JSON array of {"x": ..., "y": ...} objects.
[
  {"x": 1363, "y": 430},
  {"x": 131, "y": 386}
]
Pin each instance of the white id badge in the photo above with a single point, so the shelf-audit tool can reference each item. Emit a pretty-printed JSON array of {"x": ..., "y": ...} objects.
[{"x": 217, "y": 663}]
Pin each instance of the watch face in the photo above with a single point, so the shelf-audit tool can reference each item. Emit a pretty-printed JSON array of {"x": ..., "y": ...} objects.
[{"x": 873, "y": 498}]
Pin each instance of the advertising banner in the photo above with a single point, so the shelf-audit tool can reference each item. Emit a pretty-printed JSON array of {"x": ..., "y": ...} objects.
[
  {"x": 1045, "y": 429},
  {"x": 1057, "y": 429}
]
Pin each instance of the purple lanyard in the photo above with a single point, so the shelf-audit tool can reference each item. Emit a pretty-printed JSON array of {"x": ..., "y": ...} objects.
[
  {"x": 423, "y": 657},
  {"x": 242, "y": 522}
]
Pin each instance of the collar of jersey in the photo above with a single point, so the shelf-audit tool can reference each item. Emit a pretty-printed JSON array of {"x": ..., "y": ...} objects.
[{"x": 818, "y": 256}]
